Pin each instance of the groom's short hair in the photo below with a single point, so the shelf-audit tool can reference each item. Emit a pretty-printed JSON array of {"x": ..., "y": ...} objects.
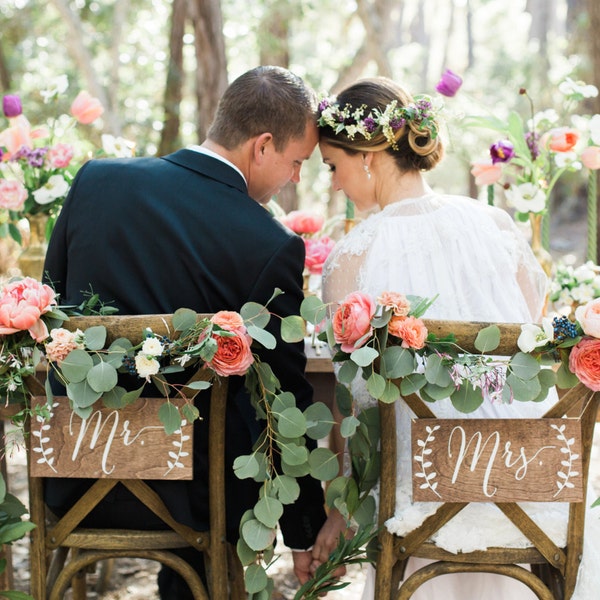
[{"x": 264, "y": 99}]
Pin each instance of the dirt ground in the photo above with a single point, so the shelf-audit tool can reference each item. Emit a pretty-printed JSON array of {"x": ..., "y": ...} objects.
[{"x": 136, "y": 579}]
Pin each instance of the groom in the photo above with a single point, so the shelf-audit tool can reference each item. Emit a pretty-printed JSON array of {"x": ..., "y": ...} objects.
[{"x": 150, "y": 235}]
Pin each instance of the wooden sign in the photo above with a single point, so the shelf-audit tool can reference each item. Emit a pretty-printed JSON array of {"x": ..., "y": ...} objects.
[
  {"x": 128, "y": 443},
  {"x": 497, "y": 460}
]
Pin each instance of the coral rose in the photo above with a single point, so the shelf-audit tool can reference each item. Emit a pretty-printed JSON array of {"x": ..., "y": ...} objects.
[
  {"x": 588, "y": 316},
  {"x": 395, "y": 301},
  {"x": 229, "y": 319},
  {"x": 22, "y": 304},
  {"x": 410, "y": 330},
  {"x": 317, "y": 251},
  {"x": 352, "y": 321},
  {"x": 233, "y": 355},
  {"x": 85, "y": 108},
  {"x": 584, "y": 361},
  {"x": 12, "y": 194}
]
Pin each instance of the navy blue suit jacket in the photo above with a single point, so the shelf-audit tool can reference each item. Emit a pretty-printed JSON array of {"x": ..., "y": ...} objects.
[{"x": 151, "y": 235}]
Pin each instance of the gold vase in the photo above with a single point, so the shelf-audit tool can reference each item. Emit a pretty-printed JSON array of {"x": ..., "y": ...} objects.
[
  {"x": 31, "y": 260},
  {"x": 543, "y": 256}
]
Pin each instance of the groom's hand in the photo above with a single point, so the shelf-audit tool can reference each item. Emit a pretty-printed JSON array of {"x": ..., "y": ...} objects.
[{"x": 302, "y": 561}]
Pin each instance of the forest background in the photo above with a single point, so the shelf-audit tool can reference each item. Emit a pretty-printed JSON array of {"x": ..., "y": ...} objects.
[{"x": 160, "y": 66}]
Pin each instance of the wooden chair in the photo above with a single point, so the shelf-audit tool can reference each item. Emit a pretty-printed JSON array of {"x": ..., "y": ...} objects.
[
  {"x": 554, "y": 569},
  {"x": 62, "y": 550}
]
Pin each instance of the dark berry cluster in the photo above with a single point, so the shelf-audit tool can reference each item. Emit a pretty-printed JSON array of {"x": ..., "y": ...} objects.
[
  {"x": 129, "y": 364},
  {"x": 563, "y": 329}
]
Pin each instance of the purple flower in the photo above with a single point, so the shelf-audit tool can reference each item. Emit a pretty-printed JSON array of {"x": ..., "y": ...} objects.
[
  {"x": 501, "y": 151},
  {"x": 532, "y": 139},
  {"x": 323, "y": 104},
  {"x": 370, "y": 125},
  {"x": 397, "y": 123},
  {"x": 449, "y": 83},
  {"x": 11, "y": 105}
]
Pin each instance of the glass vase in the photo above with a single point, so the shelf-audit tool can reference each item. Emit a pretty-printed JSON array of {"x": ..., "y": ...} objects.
[
  {"x": 543, "y": 256},
  {"x": 31, "y": 260}
]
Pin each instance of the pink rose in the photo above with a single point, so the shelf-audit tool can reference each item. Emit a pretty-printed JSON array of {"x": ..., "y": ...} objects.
[
  {"x": 317, "y": 251},
  {"x": 562, "y": 139},
  {"x": 486, "y": 173},
  {"x": 584, "y": 361},
  {"x": 60, "y": 155},
  {"x": 352, "y": 321},
  {"x": 590, "y": 157},
  {"x": 22, "y": 303},
  {"x": 233, "y": 355},
  {"x": 12, "y": 194},
  {"x": 588, "y": 316},
  {"x": 301, "y": 222},
  {"x": 410, "y": 330},
  {"x": 398, "y": 303},
  {"x": 85, "y": 108}
]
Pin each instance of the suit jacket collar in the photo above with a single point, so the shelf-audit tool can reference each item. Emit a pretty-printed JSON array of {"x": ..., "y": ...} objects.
[{"x": 209, "y": 167}]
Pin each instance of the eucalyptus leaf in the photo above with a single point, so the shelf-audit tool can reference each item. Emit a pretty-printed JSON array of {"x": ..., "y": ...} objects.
[
  {"x": 262, "y": 336},
  {"x": 255, "y": 314},
  {"x": 257, "y": 535},
  {"x": 365, "y": 511},
  {"x": 565, "y": 379},
  {"x": 466, "y": 399},
  {"x": 412, "y": 383},
  {"x": 114, "y": 397},
  {"x": 168, "y": 415},
  {"x": 324, "y": 464},
  {"x": 282, "y": 401},
  {"x": 343, "y": 399},
  {"x": 286, "y": 488},
  {"x": 523, "y": 390},
  {"x": 102, "y": 377},
  {"x": 132, "y": 395},
  {"x": 255, "y": 578},
  {"x": 336, "y": 489},
  {"x": 11, "y": 532},
  {"x": 524, "y": 366},
  {"x": 184, "y": 319},
  {"x": 294, "y": 455},
  {"x": 268, "y": 511},
  {"x": 364, "y": 356},
  {"x": 397, "y": 362},
  {"x": 319, "y": 420},
  {"x": 190, "y": 412},
  {"x": 313, "y": 309},
  {"x": 391, "y": 394},
  {"x": 76, "y": 365},
  {"x": 81, "y": 394},
  {"x": 347, "y": 372},
  {"x": 487, "y": 339},
  {"x": 348, "y": 426},
  {"x": 95, "y": 337},
  {"x": 198, "y": 385},
  {"x": 246, "y": 555},
  {"x": 436, "y": 372},
  {"x": 293, "y": 329},
  {"x": 298, "y": 470},
  {"x": 437, "y": 392},
  {"x": 376, "y": 385},
  {"x": 246, "y": 466},
  {"x": 291, "y": 422}
]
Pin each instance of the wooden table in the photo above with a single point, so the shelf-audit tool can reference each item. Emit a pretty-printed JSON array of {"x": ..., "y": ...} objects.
[{"x": 319, "y": 372}]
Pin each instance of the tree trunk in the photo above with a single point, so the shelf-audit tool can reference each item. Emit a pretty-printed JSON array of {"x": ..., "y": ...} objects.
[
  {"x": 4, "y": 72},
  {"x": 170, "y": 138},
  {"x": 211, "y": 62},
  {"x": 121, "y": 9}
]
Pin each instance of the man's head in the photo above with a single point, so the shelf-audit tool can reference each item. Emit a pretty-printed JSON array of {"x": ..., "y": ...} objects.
[
  {"x": 266, "y": 125},
  {"x": 263, "y": 99}
]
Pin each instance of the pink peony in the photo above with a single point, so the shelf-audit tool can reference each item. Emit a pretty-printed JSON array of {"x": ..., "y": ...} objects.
[
  {"x": 352, "y": 321},
  {"x": 410, "y": 330},
  {"x": 396, "y": 302},
  {"x": 85, "y": 108},
  {"x": 486, "y": 173},
  {"x": 22, "y": 303},
  {"x": 584, "y": 361},
  {"x": 588, "y": 316},
  {"x": 590, "y": 157},
  {"x": 317, "y": 251},
  {"x": 562, "y": 139},
  {"x": 60, "y": 155},
  {"x": 12, "y": 194},
  {"x": 300, "y": 222}
]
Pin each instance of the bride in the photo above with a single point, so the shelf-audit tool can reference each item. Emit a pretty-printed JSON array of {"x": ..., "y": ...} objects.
[{"x": 377, "y": 141}]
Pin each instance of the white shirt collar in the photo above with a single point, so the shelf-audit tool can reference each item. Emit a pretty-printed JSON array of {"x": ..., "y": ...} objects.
[{"x": 202, "y": 150}]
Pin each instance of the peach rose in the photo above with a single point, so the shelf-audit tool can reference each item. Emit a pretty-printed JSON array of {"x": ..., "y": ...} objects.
[
  {"x": 63, "y": 341},
  {"x": 22, "y": 303},
  {"x": 584, "y": 361},
  {"x": 410, "y": 330},
  {"x": 12, "y": 194},
  {"x": 398, "y": 303},
  {"x": 301, "y": 221},
  {"x": 317, "y": 251},
  {"x": 229, "y": 319},
  {"x": 59, "y": 156},
  {"x": 588, "y": 316},
  {"x": 590, "y": 157},
  {"x": 562, "y": 139},
  {"x": 352, "y": 321},
  {"x": 85, "y": 108},
  {"x": 486, "y": 173},
  {"x": 233, "y": 355}
]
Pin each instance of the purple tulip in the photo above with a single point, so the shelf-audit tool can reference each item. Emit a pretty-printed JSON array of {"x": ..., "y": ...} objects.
[
  {"x": 449, "y": 83},
  {"x": 501, "y": 151},
  {"x": 11, "y": 105}
]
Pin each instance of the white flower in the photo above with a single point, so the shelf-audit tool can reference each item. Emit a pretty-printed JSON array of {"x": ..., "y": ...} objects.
[
  {"x": 575, "y": 88},
  {"x": 595, "y": 129},
  {"x": 146, "y": 366},
  {"x": 55, "y": 187},
  {"x": 583, "y": 293},
  {"x": 117, "y": 146},
  {"x": 57, "y": 87},
  {"x": 532, "y": 336},
  {"x": 526, "y": 197},
  {"x": 567, "y": 159},
  {"x": 152, "y": 347}
]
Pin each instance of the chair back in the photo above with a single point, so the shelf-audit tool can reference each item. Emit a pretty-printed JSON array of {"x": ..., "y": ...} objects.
[
  {"x": 504, "y": 461},
  {"x": 127, "y": 446}
]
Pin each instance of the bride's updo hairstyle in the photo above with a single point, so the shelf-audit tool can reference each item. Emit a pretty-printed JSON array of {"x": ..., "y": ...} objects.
[{"x": 377, "y": 114}]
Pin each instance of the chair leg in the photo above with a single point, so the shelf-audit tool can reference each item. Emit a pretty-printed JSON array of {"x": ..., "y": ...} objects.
[
  {"x": 106, "y": 571},
  {"x": 551, "y": 578},
  {"x": 236, "y": 575}
]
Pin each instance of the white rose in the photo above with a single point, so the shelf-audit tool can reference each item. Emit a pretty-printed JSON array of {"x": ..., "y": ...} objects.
[
  {"x": 152, "y": 346},
  {"x": 146, "y": 366}
]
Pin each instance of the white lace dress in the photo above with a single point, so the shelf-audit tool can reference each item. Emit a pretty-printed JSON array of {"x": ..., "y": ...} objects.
[{"x": 475, "y": 258}]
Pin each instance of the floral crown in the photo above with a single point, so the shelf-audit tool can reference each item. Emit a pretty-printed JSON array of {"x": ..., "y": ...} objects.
[{"x": 354, "y": 121}]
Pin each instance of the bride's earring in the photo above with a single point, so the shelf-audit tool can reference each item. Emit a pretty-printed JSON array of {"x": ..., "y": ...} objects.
[{"x": 366, "y": 168}]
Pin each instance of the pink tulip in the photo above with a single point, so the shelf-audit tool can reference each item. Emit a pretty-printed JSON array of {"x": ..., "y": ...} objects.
[
  {"x": 85, "y": 108},
  {"x": 590, "y": 157},
  {"x": 486, "y": 173}
]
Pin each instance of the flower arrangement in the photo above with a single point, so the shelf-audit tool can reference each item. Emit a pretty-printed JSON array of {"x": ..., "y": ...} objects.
[
  {"x": 531, "y": 156},
  {"x": 573, "y": 286},
  {"x": 37, "y": 164}
]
